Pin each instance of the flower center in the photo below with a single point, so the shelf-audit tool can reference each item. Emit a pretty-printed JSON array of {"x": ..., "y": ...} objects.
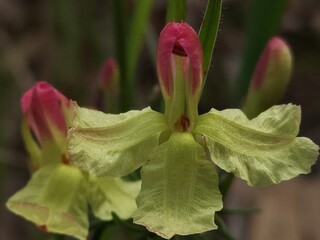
[{"x": 182, "y": 124}]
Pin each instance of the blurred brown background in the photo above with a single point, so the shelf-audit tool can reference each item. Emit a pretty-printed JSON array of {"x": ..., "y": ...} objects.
[{"x": 65, "y": 42}]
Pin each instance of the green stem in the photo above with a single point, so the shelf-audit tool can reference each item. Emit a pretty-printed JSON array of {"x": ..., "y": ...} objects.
[
  {"x": 176, "y": 10},
  {"x": 242, "y": 211},
  {"x": 222, "y": 228},
  {"x": 119, "y": 19},
  {"x": 226, "y": 184},
  {"x": 208, "y": 33}
]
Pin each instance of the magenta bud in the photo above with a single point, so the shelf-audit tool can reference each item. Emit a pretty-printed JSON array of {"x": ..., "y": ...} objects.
[
  {"x": 43, "y": 107},
  {"x": 107, "y": 95},
  {"x": 109, "y": 74},
  {"x": 270, "y": 78},
  {"x": 276, "y": 52},
  {"x": 179, "y": 39}
]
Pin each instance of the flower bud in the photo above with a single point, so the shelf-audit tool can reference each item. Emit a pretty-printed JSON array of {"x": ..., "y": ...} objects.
[
  {"x": 108, "y": 87},
  {"x": 180, "y": 73},
  {"x": 270, "y": 78},
  {"x": 45, "y": 112}
]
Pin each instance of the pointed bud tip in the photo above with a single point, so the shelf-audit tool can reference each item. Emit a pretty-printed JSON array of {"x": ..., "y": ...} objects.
[
  {"x": 109, "y": 71},
  {"x": 43, "y": 106},
  {"x": 276, "y": 50}
]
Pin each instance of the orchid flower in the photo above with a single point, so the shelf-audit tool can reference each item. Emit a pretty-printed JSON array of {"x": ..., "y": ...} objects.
[
  {"x": 56, "y": 198},
  {"x": 179, "y": 151}
]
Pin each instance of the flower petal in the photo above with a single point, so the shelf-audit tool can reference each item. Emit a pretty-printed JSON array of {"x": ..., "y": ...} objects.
[
  {"x": 262, "y": 151},
  {"x": 55, "y": 200},
  {"x": 109, "y": 195},
  {"x": 113, "y": 145},
  {"x": 179, "y": 192}
]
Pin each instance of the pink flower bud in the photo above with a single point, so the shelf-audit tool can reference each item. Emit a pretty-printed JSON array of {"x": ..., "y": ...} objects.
[
  {"x": 107, "y": 95},
  {"x": 270, "y": 78},
  {"x": 43, "y": 107},
  {"x": 109, "y": 74},
  {"x": 179, "y": 39},
  {"x": 275, "y": 52}
]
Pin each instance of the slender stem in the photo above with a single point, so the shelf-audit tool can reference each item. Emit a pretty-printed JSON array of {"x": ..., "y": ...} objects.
[
  {"x": 226, "y": 184},
  {"x": 120, "y": 13},
  {"x": 242, "y": 211},
  {"x": 222, "y": 228}
]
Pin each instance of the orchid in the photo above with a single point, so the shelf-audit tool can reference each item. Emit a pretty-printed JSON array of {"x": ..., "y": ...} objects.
[
  {"x": 180, "y": 150},
  {"x": 56, "y": 198}
]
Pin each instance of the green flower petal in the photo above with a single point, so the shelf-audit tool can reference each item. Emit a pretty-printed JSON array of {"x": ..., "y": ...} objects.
[
  {"x": 55, "y": 200},
  {"x": 113, "y": 145},
  {"x": 179, "y": 189},
  {"x": 113, "y": 195},
  {"x": 262, "y": 151}
]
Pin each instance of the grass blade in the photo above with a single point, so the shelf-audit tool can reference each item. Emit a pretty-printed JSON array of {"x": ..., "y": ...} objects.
[
  {"x": 208, "y": 32},
  {"x": 263, "y": 23},
  {"x": 134, "y": 41},
  {"x": 176, "y": 10}
]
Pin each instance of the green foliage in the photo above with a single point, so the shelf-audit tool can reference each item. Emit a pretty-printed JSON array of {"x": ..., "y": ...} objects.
[
  {"x": 129, "y": 44},
  {"x": 209, "y": 31},
  {"x": 176, "y": 10},
  {"x": 263, "y": 23}
]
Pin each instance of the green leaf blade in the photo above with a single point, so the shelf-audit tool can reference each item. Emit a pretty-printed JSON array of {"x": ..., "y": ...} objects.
[
  {"x": 113, "y": 145},
  {"x": 134, "y": 41},
  {"x": 179, "y": 189},
  {"x": 209, "y": 31},
  {"x": 262, "y": 151},
  {"x": 176, "y": 10},
  {"x": 261, "y": 27}
]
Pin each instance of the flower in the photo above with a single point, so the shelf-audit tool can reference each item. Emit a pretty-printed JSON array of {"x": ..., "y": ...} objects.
[
  {"x": 179, "y": 150},
  {"x": 57, "y": 196}
]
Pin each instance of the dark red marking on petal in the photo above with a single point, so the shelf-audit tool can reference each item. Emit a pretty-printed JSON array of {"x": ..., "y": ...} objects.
[
  {"x": 43, "y": 228},
  {"x": 65, "y": 159},
  {"x": 182, "y": 124}
]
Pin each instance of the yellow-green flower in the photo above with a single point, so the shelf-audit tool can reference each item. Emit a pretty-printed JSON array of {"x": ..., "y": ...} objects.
[
  {"x": 179, "y": 150},
  {"x": 58, "y": 194}
]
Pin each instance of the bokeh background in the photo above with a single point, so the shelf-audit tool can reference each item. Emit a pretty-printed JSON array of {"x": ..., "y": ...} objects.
[{"x": 66, "y": 42}]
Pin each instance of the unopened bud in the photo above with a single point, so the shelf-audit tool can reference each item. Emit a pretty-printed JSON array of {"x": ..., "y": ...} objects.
[
  {"x": 108, "y": 83},
  {"x": 270, "y": 78}
]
